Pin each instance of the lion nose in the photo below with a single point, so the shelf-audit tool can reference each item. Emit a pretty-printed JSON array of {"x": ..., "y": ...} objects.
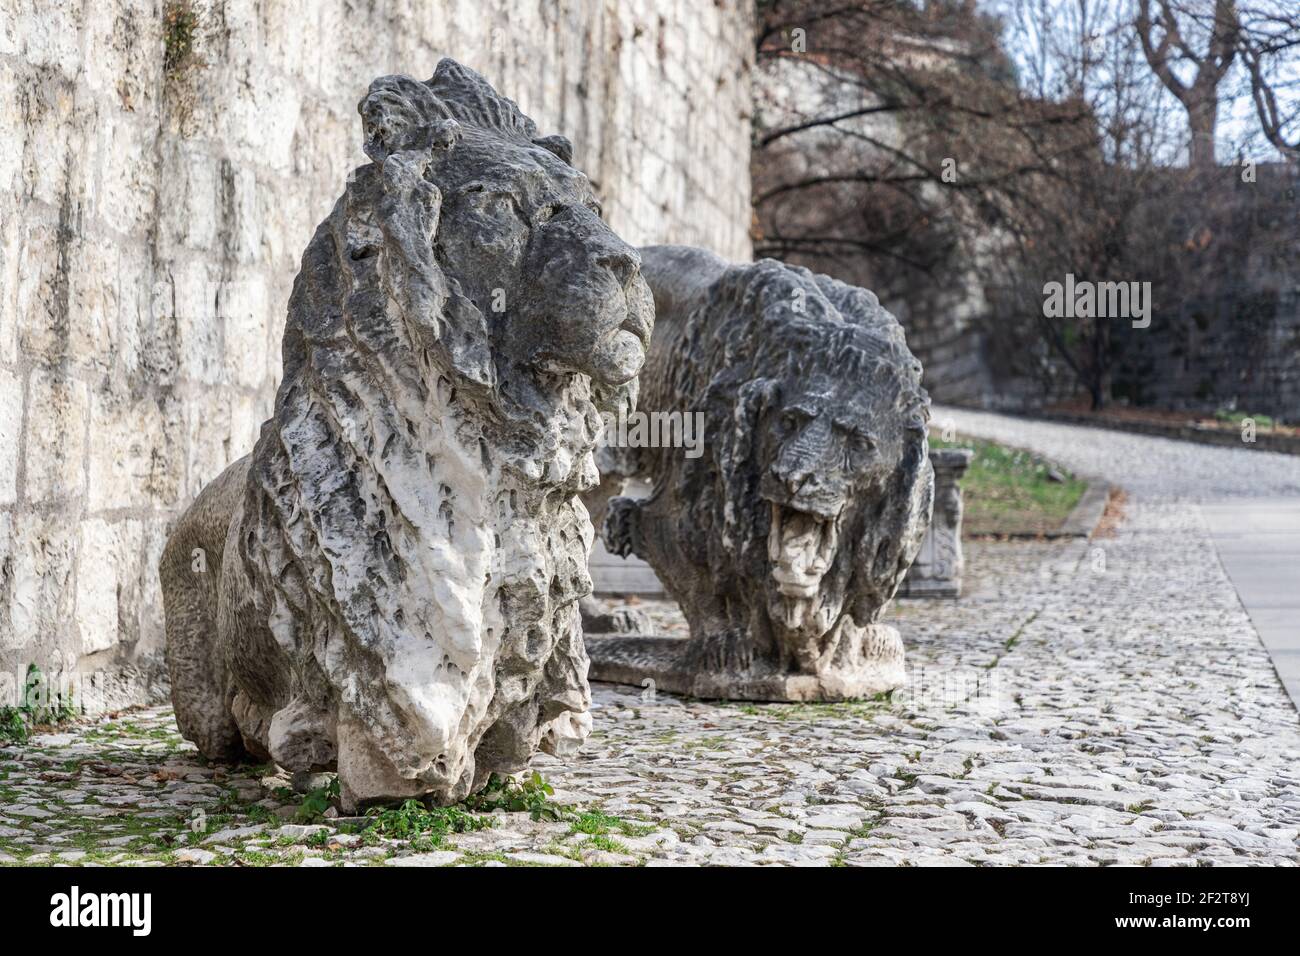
[
  {"x": 804, "y": 456},
  {"x": 624, "y": 263},
  {"x": 792, "y": 474}
]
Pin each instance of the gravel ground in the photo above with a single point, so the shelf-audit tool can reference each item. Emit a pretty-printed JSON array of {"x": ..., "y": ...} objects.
[
  {"x": 1142, "y": 464},
  {"x": 1086, "y": 703}
]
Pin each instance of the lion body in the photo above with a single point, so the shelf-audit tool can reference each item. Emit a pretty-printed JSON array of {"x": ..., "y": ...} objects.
[
  {"x": 785, "y": 539},
  {"x": 398, "y": 562}
]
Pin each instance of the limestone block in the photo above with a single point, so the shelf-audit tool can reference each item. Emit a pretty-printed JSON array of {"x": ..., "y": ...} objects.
[
  {"x": 135, "y": 321},
  {"x": 57, "y": 412},
  {"x": 187, "y": 336},
  {"x": 12, "y": 131},
  {"x": 259, "y": 122},
  {"x": 247, "y": 413},
  {"x": 10, "y": 249},
  {"x": 59, "y": 141},
  {"x": 40, "y": 300},
  {"x": 124, "y": 46},
  {"x": 279, "y": 290},
  {"x": 283, "y": 39},
  {"x": 289, "y": 212},
  {"x": 241, "y": 211},
  {"x": 322, "y": 148},
  {"x": 11, "y": 421},
  {"x": 93, "y": 305},
  {"x": 9, "y": 43},
  {"x": 126, "y": 193},
  {"x": 7, "y": 638},
  {"x": 136, "y": 458},
  {"x": 220, "y": 427},
  {"x": 109, "y": 566},
  {"x": 188, "y": 199},
  {"x": 344, "y": 55},
  {"x": 49, "y": 33},
  {"x": 149, "y": 636},
  {"x": 208, "y": 424},
  {"x": 157, "y": 359},
  {"x": 244, "y": 307},
  {"x": 39, "y": 583}
]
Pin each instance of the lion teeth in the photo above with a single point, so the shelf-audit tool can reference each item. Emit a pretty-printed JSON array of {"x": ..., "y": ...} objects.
[
  {"x": 830, "y": 538},
  {"x": 801, "y": 547},
  {"x": 796, "y": 609},
  {"x": 774, "y": 534}
]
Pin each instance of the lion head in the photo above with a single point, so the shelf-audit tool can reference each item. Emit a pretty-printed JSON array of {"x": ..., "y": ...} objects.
[
  {"x": 825, "y": 482},
  {"x": 518, "y": 230},
  {"x": 459, "y": 324}
]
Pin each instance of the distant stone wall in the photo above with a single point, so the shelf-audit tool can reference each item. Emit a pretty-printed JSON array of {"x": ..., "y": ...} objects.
[
  {"x": 1240, "y": 348},
  {"x": 152, "y": 219}
]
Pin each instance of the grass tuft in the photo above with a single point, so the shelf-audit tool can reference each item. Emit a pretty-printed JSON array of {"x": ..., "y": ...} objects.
[{"x": 1007, "y": 491}]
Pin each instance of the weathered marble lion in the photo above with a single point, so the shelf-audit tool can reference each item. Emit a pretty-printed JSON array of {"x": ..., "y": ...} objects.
[
  {"x": 388, "y": 584},
  {"x": 784, "y": 540}
]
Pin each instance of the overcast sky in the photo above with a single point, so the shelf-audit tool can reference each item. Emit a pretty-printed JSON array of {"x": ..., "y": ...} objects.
[{"x": 1238, "y": 127}]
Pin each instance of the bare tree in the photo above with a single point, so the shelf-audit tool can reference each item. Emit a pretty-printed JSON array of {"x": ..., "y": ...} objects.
[
  {"x": 1169, "y": 42},
  {"x": 1066, "y": 149},
  {"x": 1086, "y": 221},
  {"x": 1270, "y": 49},
  {"x": 886, "y": 130}
]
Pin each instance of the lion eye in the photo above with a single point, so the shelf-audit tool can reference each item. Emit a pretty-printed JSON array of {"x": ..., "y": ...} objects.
[
  {"x": 483, "y": 194},
  {"x": 861, "y": 448},
  {"x": 796, "y": 416},
  {"x": 548, "y": 212}
]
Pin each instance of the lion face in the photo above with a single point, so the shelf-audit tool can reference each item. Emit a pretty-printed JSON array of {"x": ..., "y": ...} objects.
[
  {"x": 829, "y": 455},
  {"x": 520, "y": 233},
  {"x": 822, "y": 448}
]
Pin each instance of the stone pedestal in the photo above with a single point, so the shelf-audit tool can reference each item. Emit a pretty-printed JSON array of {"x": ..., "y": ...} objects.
[
  {"x": 936, "y": 572},
  {"x": 862, "y": 662}
]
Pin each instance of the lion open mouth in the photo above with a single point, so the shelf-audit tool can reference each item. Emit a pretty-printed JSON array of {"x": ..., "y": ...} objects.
[{"x": 801, "y": 547}]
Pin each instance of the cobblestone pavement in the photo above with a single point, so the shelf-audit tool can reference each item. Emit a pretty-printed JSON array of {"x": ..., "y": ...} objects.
[{"x": 1085, "y": 703}]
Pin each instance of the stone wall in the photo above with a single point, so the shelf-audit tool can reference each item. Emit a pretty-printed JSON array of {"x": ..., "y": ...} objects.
[
  {"x": 1238, "y": 348},
  {"x": 153, "y": 207}
]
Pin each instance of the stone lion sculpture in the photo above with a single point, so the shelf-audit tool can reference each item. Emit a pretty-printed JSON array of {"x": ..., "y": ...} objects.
[
  {"x": 388, "y": 584},
  {"x": 784, "y": 540}
]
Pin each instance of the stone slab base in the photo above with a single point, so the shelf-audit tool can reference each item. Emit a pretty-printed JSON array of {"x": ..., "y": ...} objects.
[
  {"x": 637, "y": 660},
  {"x": 929, "y": 588}
]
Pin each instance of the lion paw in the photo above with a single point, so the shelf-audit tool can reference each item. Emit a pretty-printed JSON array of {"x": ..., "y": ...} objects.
[{"x": 622, "y": 531}]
